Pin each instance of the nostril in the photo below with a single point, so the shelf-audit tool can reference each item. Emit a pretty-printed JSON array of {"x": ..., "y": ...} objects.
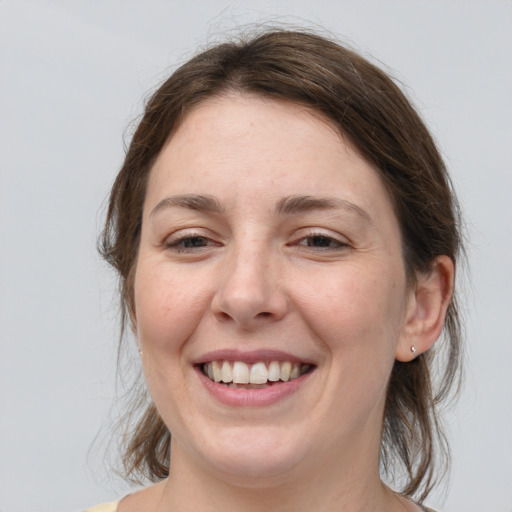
[
  {"x": 226, "y": 316},
  {"x": 222, "y": 315},
  {"x": 248, "y": 309}
]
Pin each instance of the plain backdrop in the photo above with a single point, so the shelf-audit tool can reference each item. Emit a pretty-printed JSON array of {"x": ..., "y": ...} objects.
[{"x": 73, "y": 74}]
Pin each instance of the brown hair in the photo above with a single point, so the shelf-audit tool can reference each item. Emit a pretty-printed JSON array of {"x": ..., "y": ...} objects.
[{"x": 369, "y": 109}]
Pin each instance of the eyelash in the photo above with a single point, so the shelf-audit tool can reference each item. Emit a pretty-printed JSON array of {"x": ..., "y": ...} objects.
[
  {"x": 186, "y": 242},
  {"x": 180, "y": 244},
  {"x": 337, "y": 244}
]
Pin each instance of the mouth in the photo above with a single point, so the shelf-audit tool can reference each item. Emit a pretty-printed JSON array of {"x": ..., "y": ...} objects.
[{"x": 258, "y": 375}]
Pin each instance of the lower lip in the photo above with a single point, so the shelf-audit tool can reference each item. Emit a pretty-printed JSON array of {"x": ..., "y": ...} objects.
[{"x": 237, "y": 397}]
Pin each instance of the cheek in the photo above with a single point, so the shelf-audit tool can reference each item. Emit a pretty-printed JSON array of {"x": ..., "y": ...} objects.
[
  {"x": 168, "y": 310},
  {"x": 354, "y": 309},
  {"x": 168, "y": 307},
  {"x": 356, "y": 317}
]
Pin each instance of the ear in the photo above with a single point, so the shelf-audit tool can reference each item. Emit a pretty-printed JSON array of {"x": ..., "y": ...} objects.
[{"x": 426, "y": 309}]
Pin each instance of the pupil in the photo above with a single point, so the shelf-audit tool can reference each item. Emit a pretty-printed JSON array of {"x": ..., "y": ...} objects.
[
  {"x": 194, "y": 241},
  {"x": 319, "y": 241}
]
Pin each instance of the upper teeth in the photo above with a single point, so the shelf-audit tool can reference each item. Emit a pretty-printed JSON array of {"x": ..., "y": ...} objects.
[{"x": 239, "y": 372}]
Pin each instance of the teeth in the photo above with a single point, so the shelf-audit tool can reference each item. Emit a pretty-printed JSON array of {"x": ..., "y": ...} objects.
[
  {"x": 253, "y": 376},
  {"x": 286, "y": 368},
  {"x": 246, "y": 386},
  {"x": 259, "y": 374},
  {"x": 241, "y": 373},
  {"x": 227, "y": 374},
  {"x": 295, "y": 371},
  {"x": 217, "y": 372},
  {"x": 274, "y": 371}
]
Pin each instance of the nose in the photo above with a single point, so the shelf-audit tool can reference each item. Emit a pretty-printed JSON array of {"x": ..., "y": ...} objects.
[{"x": 251, "y": 290}]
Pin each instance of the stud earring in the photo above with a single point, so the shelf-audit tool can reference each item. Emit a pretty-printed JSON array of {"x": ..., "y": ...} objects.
[
  {"x": 140, "y": 352},
  {"x": 413, "y": 349}
]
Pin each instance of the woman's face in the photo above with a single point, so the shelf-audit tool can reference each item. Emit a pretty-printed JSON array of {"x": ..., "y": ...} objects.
[{"x": 269, "y": 252}]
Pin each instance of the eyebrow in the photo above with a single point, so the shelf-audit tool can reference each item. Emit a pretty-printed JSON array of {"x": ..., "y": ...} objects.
[
  {"x": 286, "y": 206},
  {"x": 201, "y": 203},
  {"x": 299, "y": 204}
]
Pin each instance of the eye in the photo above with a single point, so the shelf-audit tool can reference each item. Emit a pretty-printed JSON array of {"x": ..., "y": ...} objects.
[
  {"x": 320, "y": 241},
  {"x": 189, "y": 242}
]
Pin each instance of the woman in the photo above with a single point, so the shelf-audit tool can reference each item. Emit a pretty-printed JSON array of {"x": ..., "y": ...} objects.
[{"x": 286, "y": 238}]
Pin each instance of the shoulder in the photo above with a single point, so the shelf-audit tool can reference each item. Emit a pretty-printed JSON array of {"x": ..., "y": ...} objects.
[{"x": 105, "y": 507}]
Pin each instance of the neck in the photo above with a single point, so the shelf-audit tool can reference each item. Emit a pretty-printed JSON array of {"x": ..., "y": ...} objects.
[{"x": 351, "y": 488}]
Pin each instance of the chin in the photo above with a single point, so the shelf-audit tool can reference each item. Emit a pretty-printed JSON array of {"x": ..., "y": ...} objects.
[{"x": 253, "y": 458}]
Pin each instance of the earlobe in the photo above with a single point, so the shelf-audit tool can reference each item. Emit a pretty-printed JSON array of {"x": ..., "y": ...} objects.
[{"x": 426, "y": 309}]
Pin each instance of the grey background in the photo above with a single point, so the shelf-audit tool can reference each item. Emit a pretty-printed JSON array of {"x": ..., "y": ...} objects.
[{"x": 73, "y": 74}]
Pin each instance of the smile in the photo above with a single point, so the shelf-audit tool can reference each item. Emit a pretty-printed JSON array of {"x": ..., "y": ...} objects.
[{"x": 238, "y": 374}]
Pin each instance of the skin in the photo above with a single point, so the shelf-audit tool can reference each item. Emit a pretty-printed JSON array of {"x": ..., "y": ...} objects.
[{"x": 323, "y": 283}]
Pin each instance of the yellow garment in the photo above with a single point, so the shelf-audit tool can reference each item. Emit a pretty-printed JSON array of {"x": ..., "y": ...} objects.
[
  {"x": 112, "y": 507},
  {"x": 105, "y": 507}
]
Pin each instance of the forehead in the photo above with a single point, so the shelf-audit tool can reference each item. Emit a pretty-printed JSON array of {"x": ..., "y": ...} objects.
[{"x": 239, "y": 145}]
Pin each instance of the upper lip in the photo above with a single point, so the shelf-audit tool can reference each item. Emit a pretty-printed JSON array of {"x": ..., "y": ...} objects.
[{"x": 250, "y": 356}]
